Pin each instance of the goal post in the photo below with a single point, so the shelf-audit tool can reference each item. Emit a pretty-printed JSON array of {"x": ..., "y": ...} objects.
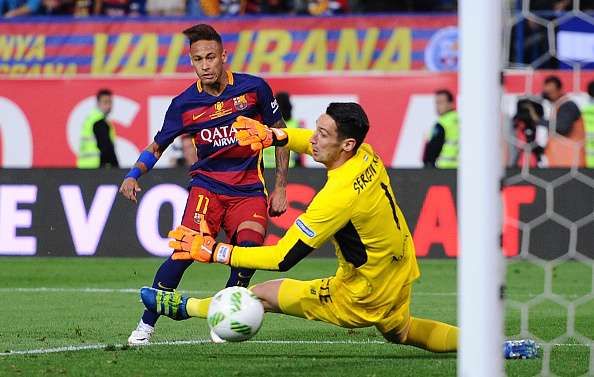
[{"x": 480, "y": 261}]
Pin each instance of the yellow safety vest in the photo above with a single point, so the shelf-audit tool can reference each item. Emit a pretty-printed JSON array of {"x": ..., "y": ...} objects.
[
  {"x": 88, "y": 152},
  {"x": 588, "y": 117},
  {"x": 448, "y": 158},
  {"x": 270, "y": 158}
]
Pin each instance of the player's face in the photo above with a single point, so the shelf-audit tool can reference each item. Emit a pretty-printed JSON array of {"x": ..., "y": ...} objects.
[
  {"x": 325, "y": 142},
  {"x": 104, "y": 103},
  {"x": 442, "y": 104},
  {"x": 208, "y": 59}
]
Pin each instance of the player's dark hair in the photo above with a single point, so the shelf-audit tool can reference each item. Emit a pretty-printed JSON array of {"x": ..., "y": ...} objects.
[
  {"x": 554, "y": 80},
  {"x": 284, "y": 104},
  {"x": 104, "y": 92},
  {"x": 202, "y": 32},
  {"x": 446, "y": 93},
  {"x": 351, "y": 121},
  {"x": 591, "y": 88}
]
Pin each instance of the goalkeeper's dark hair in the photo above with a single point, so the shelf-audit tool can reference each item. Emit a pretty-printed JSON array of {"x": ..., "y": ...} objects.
[
  {"x": 351, "y": 121},
  {"x": 103, "y": 92},
  {"x": 202, "y": 32}
]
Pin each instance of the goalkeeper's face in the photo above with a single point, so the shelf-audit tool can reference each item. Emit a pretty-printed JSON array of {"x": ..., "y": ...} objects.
[
  {"x": 327, "y": 146},
  {"x": 208, "y": 59}
]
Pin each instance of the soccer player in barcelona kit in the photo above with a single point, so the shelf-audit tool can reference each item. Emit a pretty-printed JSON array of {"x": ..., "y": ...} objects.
[
  {"x": 356, "y": 208},
  {"x": 227, "y": 186}
]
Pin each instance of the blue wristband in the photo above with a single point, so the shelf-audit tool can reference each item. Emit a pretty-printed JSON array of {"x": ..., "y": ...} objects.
[
  {"x": 134, "y": 173},
  {"x": 148, "y": 159}
]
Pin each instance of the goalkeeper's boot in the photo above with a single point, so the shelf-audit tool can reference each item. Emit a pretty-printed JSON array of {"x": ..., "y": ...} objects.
[
  {"x": 168, "y": 303},
  {"x": 141, "y": 335},
  {"x": 520, "y": 349}
]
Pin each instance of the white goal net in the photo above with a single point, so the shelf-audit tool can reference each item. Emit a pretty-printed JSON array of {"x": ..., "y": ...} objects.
[{"x": 549, "y": 193}]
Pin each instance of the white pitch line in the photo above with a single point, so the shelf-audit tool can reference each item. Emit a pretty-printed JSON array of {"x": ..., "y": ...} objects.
[
  {"x": 177, "y": 343},
  {"x": 76, "y": 348},
  {"x": 85, "y": 290}
]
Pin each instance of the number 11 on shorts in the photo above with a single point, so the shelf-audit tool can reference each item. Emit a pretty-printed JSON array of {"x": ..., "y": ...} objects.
[{"x": 199, "y": 207}]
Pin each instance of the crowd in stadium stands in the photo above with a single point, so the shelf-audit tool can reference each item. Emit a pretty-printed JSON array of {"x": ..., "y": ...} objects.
[{"x": 214, "y": 8}]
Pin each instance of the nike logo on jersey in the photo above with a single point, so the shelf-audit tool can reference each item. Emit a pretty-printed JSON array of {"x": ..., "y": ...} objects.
[
  {"x": 258, "y": 216},
  {"x": 196, "y": 117}
]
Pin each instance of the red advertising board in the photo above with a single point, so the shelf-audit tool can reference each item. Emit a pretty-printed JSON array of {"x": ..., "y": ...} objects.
[
  {"x": 40, "y": 120},
  {"x": 44, "y": 117}
]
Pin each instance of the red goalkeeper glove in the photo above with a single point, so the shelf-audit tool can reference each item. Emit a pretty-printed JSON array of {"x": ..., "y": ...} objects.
[
  {"x": 189, "y": 244},
  {"x": 257, "y": 135}
]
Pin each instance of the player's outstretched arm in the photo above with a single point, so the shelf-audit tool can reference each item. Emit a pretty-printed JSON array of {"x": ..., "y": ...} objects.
[
  {"x": 321, "y": 220},
  {"x": 257, "y": 135},
  {"x": 147, "y": 159},
  {"x": 191, "y": 245}
]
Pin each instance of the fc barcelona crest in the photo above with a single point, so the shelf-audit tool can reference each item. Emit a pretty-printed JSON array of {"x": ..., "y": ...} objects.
[{"x": 240, "y": 102}]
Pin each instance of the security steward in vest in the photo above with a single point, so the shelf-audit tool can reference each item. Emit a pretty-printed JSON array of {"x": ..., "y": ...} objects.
[
  {"x": 97, "y": 137},
  {"x": 441, "y": 150}
]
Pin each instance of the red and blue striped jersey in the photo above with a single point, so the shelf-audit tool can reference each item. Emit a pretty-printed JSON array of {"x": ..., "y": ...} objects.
[{"x": 223, "y": 166}]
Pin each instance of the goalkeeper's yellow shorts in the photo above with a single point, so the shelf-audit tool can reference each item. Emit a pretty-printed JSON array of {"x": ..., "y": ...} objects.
[{"x": 322, "y": 300}]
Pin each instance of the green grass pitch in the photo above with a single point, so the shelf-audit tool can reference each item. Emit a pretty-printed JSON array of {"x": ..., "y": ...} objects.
[{"x": 93, "y": 302}]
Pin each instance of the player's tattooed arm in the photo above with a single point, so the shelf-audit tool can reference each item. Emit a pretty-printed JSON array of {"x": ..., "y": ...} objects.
[
  {"x": 148, "y": 158},
  {"x": 278, "y": 198}
]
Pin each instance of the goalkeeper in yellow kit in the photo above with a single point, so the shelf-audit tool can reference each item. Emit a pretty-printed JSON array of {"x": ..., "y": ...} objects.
[{"x": 357, "y": 210}]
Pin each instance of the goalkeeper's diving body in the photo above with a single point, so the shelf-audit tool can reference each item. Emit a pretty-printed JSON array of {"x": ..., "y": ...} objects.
[{"x": 357, "y": 210}]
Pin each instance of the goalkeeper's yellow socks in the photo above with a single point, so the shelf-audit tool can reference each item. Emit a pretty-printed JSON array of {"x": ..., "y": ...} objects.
[
  {"x": 198, "y": 307},
  {"x": 432, "y": 335}
]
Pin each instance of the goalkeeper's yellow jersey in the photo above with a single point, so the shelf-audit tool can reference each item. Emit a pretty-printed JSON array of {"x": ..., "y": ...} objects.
[{"x": 356, "y": 208}]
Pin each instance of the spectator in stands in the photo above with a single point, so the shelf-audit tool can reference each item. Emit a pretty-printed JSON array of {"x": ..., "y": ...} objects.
[
  {"x": 277, "y": 6},
  {"x": 409, "y": 6},
  {"x": 17, "y": 8},
  {"x": 97, "y": 137},
  {"x": 119, "y": 8},
  {"x": 530, "y": 134},
  {"x": 232, "y": 7},
  {"x": 166, "y": 8},
  {"x": 326, "y": 7},
  {"x": 201, "y": 8},
  {"x": 239, "y": 7},
  {"x": 442, "y": 148},
  {"x": 82, "y": 8},
  {"x": 566, "y": 126},
  {"x": 56, "y": 8},
  {"x": 137, "y": 8},
  {"x": 215, "y": 8}
]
